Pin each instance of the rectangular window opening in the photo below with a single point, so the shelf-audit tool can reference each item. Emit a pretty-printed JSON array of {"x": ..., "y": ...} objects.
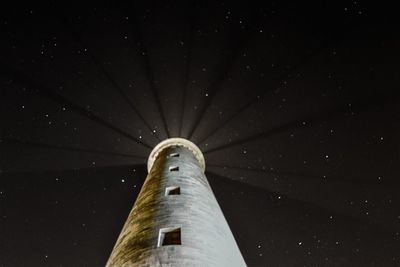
[
  {"x": 172, "y": 190},
  {"x": 169, "y": 236},
  {"x": 174, "y": 155},
  {"x": 174, "y": 168}
]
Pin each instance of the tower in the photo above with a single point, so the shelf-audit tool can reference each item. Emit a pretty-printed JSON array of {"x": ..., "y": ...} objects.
[{"x": 176, "y": 220}]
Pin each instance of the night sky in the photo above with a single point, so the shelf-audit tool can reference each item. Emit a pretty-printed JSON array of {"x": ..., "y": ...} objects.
[{"x": 295, "y": 106}]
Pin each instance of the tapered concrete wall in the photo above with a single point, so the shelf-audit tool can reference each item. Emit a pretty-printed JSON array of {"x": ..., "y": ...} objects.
[{"x": 206, "y": 239}]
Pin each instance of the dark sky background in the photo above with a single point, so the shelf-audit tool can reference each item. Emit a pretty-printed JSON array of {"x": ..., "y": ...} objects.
[{"x": 295, "y": 106}]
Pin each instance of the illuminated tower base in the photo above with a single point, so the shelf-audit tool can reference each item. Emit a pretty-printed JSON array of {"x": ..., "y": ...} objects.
[{"x": 176, "y": 220}]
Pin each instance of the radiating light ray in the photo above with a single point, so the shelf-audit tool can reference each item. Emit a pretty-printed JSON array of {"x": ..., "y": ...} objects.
[
  {"x": 261, "y": 90},
  {"x": 14, "y": 141},
  {"x": 143, "y": 53},
  {"x": 187, "y": 73},
  {"x": 47, "y": 92},
  {"x": 79, "y": 40},
  {"x": 216, "y": 85},
  {"x": 334, "y": 212},
  {"x": 310, "y": 120},
  {"x": 306, "y": 176},
  {"x": 91, "y": 168}
]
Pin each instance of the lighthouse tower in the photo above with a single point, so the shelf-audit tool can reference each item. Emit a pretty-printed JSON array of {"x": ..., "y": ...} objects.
[{"x": 176, "y": 220}]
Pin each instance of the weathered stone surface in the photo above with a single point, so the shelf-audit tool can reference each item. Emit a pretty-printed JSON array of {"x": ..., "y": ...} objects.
[{"x": 206, "y": 239}]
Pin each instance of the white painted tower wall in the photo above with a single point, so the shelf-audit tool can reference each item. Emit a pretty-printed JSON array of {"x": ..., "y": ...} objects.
[{"x": 176, "y": 220}]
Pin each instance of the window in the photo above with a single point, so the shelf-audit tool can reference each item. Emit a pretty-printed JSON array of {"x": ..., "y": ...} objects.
[
  {"x": 172, "y": 190},
  {"x": 169, "y": 236},
  {"x": 174, "y": 155},
  {"x": 173, "y": 168}
]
